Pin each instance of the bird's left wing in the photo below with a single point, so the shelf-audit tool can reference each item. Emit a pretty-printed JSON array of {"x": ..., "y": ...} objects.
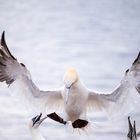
[
  {"x": 124, "y": 98},
  {"x": 19, "y": 80}
]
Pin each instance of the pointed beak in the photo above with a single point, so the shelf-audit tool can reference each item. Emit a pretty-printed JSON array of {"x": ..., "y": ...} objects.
[
  {"x": 43, "y": 119},
  {"x": 36, "y": 119},
  {"x": 67, "y": 94}
]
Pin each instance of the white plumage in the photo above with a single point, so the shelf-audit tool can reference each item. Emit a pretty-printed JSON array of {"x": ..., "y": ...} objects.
[{"x": 73, "y": 96}]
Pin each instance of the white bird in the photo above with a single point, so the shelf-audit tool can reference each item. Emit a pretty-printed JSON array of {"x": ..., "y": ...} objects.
[
  {"x": 34, "y": 127},
  {"x": 73, "y": 96}
]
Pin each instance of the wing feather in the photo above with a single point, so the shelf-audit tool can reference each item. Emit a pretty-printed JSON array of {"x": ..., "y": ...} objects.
[
  {"x": 19, "y": 80},
  {"x": 124, "y": 98}
]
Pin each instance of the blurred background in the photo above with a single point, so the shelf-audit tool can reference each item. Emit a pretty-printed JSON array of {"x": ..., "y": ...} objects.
[{"x": 99, "y": 38}]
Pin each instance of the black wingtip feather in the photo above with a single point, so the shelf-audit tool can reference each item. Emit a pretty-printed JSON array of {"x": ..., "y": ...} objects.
[
  {"x": 136, "y": 60},
  {"x": 135, "y": 132},
  {"x": 129, "y": 135},
  {"x": 3, "y": 43},
  {"x": 129, "y": 122}
]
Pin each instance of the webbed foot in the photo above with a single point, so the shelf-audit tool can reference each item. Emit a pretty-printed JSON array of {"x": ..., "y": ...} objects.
[{"x": 79, "y": 123}]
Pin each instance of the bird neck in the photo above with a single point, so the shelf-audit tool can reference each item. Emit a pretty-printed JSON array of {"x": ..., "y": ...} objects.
[
  {"x": 36, "y": 135},
  {"x": 78, "y": 85}
]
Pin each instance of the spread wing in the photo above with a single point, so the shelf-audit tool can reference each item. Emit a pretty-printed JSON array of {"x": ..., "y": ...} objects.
[
  {"x": 124, "y": 98},
  {"x": 18, "y": 79}
]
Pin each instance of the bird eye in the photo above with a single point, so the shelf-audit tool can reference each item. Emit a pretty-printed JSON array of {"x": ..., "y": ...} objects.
[{"x": 33, "y": 119}]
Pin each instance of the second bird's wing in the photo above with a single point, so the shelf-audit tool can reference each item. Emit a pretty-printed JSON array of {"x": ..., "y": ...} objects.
[
  {"x": 124, "y": 98},
  {"x": 19, "y": 80}
]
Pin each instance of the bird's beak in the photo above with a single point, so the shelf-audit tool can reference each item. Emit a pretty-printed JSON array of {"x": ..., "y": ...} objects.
[
  {"x": 43, "y": 119},
  {"x": 67, "y": 94},
  {"x": 37, "y": 118}
]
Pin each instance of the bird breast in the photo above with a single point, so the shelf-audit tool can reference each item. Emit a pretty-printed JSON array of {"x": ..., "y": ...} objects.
[{"x": 76, "y": 104}]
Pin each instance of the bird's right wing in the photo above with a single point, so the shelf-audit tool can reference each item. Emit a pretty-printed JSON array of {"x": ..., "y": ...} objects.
[
  {"x": 124, "y": 98},
  {"x": 19, "y": 80}
]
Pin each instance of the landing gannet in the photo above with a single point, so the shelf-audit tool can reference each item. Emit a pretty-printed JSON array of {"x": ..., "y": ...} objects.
[{"x": 73, "y": 96}]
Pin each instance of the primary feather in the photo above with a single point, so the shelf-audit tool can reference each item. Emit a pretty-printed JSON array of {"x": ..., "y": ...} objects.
[
  {"x": 19, "y": 80},
  {"x": 124, "y": 98}
]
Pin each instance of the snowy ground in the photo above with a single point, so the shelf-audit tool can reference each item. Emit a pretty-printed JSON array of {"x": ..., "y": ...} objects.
[{"x": 99, "y": 38}]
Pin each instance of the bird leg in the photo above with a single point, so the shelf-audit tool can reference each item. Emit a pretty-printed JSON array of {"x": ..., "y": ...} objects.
[
  {"x": 79, "y": 123},
  {"x": 56, "y": 118}
]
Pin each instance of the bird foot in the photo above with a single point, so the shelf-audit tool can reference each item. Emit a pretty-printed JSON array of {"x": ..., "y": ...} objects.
[
  {"x": 56, "y": 118},
  {"x": 79, "y": 123}
]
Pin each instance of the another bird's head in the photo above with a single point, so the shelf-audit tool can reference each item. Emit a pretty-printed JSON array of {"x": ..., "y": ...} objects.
[
  {"x": 70, "y": 78},
  {"x": 36, "y": 121}
]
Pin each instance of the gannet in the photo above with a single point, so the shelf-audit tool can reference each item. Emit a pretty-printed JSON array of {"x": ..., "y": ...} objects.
[
  {"x": 36, "y": 121},
  {"x": 73, "y": 96},
  {"x": 34, "y": 127}
]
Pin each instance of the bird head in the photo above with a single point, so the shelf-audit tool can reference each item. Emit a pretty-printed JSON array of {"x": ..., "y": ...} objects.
[
  {"x": 71, "y": 77},
  {"x": 36, "y": 121}
]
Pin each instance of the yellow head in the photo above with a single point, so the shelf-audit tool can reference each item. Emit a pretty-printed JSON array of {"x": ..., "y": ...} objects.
[{"x": 71, "y": 77}]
